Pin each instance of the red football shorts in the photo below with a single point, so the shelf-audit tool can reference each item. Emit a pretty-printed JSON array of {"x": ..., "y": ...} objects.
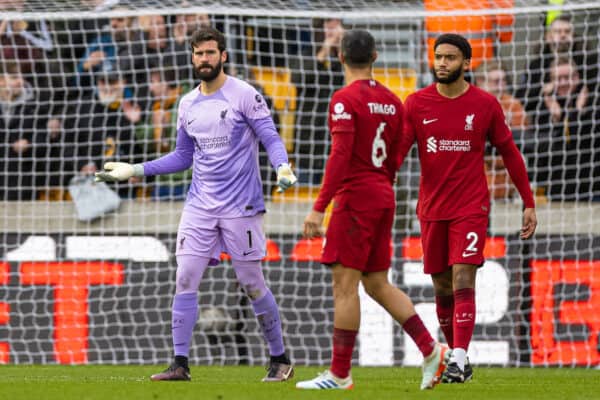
[
  {"x": 359, "y": 239},
  {"x": 458, "y": 241}
]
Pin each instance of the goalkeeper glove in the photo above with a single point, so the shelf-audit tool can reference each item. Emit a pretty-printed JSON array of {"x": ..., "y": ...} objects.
[
  {"x": 119, "y": 171},
  {"x": 285, "y": 177}
]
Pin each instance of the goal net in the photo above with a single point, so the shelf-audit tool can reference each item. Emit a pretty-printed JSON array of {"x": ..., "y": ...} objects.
[{"x": 89, "y": 81}]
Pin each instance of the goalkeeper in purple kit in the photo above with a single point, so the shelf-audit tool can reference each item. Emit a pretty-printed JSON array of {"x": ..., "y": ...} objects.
[{"x": 219, "y": 126}]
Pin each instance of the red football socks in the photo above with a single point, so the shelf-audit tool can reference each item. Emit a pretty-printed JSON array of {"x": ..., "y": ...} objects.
[
  {"x": 464, "y": 317},
  {"x": 444, "y": 306},
  {"x": 415, "y": 328},
  {"x": 343, "y": 346}
]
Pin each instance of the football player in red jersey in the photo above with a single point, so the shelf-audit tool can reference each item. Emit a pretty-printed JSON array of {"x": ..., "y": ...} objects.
[
  {"x": 365, "y": 121},
  {"x": 451, "y": 121}
]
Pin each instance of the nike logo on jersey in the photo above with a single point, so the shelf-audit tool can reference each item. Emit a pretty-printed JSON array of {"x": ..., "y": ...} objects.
[
  {"x": 465, "y": 254},
  {"x": 247, "y": 253},
  {"x": 190, "y": 121},
  {"x": 428, "y": 121}
]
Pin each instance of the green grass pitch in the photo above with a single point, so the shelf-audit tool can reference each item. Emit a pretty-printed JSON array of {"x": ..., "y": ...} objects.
[{"x": 224, "y": 383}]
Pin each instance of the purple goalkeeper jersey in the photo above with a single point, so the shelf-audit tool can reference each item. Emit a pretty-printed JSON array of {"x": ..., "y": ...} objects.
[{"x": 218, "y": 136}]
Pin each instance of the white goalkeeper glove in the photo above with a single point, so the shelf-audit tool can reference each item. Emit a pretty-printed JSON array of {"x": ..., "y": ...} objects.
[
  {"x": 119, "y": 171},
  {"x": 285, "y": 177}
]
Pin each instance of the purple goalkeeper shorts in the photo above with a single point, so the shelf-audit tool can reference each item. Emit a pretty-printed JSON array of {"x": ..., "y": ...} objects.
[{"x": 241, "y": 237}]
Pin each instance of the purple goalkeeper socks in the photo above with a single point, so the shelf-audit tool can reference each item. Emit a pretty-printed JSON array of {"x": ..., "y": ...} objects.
[
  {"x": 185, "y": 314},
  {"x": 267, "y": 312}
]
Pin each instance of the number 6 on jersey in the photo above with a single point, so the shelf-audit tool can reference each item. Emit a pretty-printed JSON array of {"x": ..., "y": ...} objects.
[{"x": 379, "y": 154}]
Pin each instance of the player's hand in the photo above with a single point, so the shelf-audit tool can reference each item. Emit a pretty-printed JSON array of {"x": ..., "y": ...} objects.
[
  {"x": 285, "y": 177},
  {"x": 118, "y": 171},
  {"x": 312, "y": 224},
  {"x": 529, "y": 223}
]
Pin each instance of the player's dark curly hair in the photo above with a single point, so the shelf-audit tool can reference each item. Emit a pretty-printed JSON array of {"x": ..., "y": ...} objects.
[
  {"x": 358, "y": 48},
  {"x": 206, "y": 34},
  {"x": 457, "y": 41}
]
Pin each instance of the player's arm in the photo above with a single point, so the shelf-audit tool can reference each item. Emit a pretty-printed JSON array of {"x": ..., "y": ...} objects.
[
  {"x": 258, "y": 115},
  {"x": 408, "y": 135},
  {"x": 501, "y": 138},
  {"x": 342, "y": 128},
  {"x": 267, "y": 134},
  {"x": 180, "y": 159}
]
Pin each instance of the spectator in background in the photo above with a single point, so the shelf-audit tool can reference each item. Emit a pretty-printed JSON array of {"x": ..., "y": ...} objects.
[
  {"x": 155, "y": 33},
  {"x": 117, "y": 48},
  {"x": 24, "y": 41},
  {"x": 157, "y": 132},
  {"x": 559, "y": 41},
  {"x": 564, "y": 151},
  {"x": 185, "y": 25},
  {"x": 491, "y": 77},
  {"x": 28, "y": 135},
  {"x": 498, "y": 181},
  {"x": 30, "y": 44},
  {"x": 317, "y": 73},
  {"x": 77, "y": 34},
  {"x": 103, "y": 126},
  {"x": 158, "y": 49}
]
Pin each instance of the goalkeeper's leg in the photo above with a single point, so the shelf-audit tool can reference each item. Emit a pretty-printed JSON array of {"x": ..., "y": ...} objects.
[
  {"x": 250, "y": 277},
  {"x": 401, "y": 308},
  {"x": 185, "y": 313}
]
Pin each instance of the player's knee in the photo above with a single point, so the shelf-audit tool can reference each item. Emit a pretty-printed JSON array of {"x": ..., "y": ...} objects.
[
  {"x": 374, "y": 289},
  {"x": 464, "y": 279},
  {"x": 343, "y": 291},
  {"x": 254, "y": 293},
  {"x": 442, "y": 285},
  {"x": 183, "y": 283}
]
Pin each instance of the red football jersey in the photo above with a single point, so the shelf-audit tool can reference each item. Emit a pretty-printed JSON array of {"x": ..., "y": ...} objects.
[
  {"x": 451, "y": 135},
  {"x": 373, "y": 115}
]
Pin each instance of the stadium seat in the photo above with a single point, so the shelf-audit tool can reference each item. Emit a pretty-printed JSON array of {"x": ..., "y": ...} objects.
[
  {"x": 307, "y": 250},
  {"x": 401, "y": 81},
  {"x": 484, "y": 32},
  {"x": 296, "y": 194},
  {"x": 411, "y": 248},
  {"x": 277, "y": 84},
  {"x": 4, "y": 312},
  {"x": 273, "y": 253},
  {"x": 495, "y": 247},
  {"x": 4, "y": 353}
]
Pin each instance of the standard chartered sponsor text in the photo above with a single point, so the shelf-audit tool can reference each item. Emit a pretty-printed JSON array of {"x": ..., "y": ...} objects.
[
  {"x": 208, "y": 143},
  {"x": 454, "y": 145}
]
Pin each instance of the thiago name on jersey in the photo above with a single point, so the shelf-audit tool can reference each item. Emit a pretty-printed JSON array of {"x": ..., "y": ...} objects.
[{"x": 385, "y": 109}]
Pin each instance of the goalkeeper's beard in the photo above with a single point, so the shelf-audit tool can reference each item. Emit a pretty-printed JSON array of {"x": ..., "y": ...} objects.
[
  {"x": 452, "y": 77},
  {"x": 210, "y": 75}
]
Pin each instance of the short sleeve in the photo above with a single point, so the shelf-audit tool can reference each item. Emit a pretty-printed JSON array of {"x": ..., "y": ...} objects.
[{"x": 341, "y": 114}]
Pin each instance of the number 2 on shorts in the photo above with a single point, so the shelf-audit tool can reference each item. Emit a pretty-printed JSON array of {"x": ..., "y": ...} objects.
[{"x": 472, "y": 236}]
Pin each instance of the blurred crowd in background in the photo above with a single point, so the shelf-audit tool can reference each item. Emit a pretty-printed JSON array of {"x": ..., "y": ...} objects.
[{"x": 77, "y": 93}]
